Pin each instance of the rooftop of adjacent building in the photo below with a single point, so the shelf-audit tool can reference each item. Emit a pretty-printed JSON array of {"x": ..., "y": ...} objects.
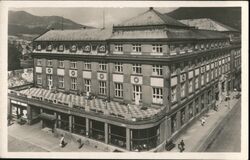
[{"x": 208, "y": 24}]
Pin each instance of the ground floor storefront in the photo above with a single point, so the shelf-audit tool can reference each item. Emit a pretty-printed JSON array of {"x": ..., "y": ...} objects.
[{"x": 126, "y": 136}]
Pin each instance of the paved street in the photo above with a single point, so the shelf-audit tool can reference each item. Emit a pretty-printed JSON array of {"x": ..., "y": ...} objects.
[
  {"x": 196, "y": 135},
  {"x": 18, "y": 145},
  {"x": 229, "y": 139}
]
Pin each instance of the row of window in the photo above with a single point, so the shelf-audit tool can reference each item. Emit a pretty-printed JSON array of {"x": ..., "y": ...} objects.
[
  {"x": 158, "y": 48},
  {"x": 214, "y": 62},
  {"x": 72, "y": 48},
  {"x": 157, "y": 93},
  {"x": 193, "y": 83},
  {"x": 192, "y": 109},
  {"x": 137, "y": 48},
  {"x": 118, "y": 66}
]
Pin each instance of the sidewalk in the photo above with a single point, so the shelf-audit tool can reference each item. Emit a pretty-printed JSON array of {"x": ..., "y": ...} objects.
[
  {"x": 196, "y": 135},
  {"x": 43, "y": 139}
]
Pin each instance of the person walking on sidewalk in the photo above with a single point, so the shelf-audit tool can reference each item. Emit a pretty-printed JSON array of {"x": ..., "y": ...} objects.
[
  {"x": 203, "y": 121},
  {"x": 181, "y": 146},
  {"x": 62, "y": 141}
]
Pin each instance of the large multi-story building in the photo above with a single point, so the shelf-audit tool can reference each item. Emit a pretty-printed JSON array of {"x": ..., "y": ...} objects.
[{"x": 133, "y": 86}]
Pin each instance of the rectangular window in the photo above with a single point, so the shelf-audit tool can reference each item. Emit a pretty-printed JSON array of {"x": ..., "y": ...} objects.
[
  {"x": 87, "y": 85},
  {"x": 137, "y": 48},
  {"x": 182, "y": 116},
  {"x": 103, "y": 66},
  {"x": 157, "y": 48},
  {"x": 49, "y": 80},
  {"x": 157, "y": 70},
  {"x": 118, "y": 48},
  {"x": 190, "y": 86},
  {"x": 137, "y": 92},
  {"x": 157, "y": 95},
  {"x": 61, "y": 64},
  {"x": 49, "y": 62},
  {"x": 196, "y": 82},
  {"x": 60, "y": 81},
  {"x": 208, "y": 77},
  {"x": 190, "y": 108},
  {"x": 73, "y": 83},
  {"x": 119, "y": 90},
  {"x": 73, "y": 65},
  {"x": 87, "y": 65},
  {"x": 39, "y": 79},
  {"x": 136, "y": 69},
  {"x": 102, "y": 87},
  {"x": 118, "y": 67},
  {"x": 173, "y": 69},
  {"x": 183, "y": 90},
  {"x": 173, "y": 94},
  {"x": 39, "y": 62},
  {"x": 202, "y": 79}
]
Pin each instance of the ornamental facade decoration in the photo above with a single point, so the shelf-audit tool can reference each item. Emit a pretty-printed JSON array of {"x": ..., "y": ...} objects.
[
  {"x": 87, "y": 48},
  {"x": 136, "y": 79}
]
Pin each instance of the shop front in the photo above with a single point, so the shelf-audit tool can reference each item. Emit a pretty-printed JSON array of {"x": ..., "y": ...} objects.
[{"x": 19, "y": 111}]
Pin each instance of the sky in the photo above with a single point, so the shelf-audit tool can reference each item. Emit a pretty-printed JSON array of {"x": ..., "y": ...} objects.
[{"x": 91, "y": 16}]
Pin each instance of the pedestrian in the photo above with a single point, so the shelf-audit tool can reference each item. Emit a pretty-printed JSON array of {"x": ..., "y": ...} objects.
[
  {"x": 182, "y": 145},
  {"x": 62, "y": 141},
  {"x": 203, "y": 121}
]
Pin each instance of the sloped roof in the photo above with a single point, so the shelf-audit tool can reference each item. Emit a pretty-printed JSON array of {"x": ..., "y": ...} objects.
[
  {"x": 169, "y": 34},
  {"x": 152, "y": 17},
  {"x": 76, "y": 35},
  {"x": 208, "y": 24}
]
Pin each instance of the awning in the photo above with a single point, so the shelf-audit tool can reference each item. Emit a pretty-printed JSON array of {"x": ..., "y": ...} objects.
[{"x": 47, "y": 116}]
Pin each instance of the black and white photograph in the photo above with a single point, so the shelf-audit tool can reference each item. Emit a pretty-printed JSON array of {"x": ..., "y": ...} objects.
[{"x": 130, "y": 78}]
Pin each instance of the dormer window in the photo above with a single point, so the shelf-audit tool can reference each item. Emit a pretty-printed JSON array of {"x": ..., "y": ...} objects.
[
  {"x": 196, "y": 47},
  {"x": 87, "y": 48},
  {"x": 39, "y": 47},
  {"x": 202, "y": 46},
  {"x": 61, "y": 48},
  {"x": 102, "y": 48},
  {"x": 49, "y": 48},
  {"x": 73, "y": 48},
  {"x": 212, "y": 45}
]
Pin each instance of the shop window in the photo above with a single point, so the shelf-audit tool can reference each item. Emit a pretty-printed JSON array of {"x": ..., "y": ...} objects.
[
  {"x": 117, "y": 136},
  {"x": 96, "y": 130},
  {"x": 145, "y": 139}
]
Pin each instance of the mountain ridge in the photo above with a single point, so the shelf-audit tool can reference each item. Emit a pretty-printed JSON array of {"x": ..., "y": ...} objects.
[{"x": 22, "y": 22}]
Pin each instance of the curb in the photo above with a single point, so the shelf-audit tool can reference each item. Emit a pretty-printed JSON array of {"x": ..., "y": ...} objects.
[{"x": 215, "y": 131}]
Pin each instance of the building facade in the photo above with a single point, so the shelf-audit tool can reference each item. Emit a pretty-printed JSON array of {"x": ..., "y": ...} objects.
[{"x": 134, "y": 86}]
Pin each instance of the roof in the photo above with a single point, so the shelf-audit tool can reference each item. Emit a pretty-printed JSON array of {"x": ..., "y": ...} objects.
[
  {"x": 168, "y": 34},
  {"x": 96, "y": 105},
  {"x": 208, "y": 24},
  {"x": 152, "y": 17},
  {"x": 76, "y": 35}
]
